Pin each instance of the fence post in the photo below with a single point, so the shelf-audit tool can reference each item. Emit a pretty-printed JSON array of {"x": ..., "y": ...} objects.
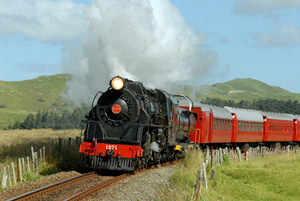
[
  {"x": 36, "y": 162},
  {"x": 9, "y": 177},
  {"x": 257, "y": 151},
  {"x": 239, "y": 153},
  {"x": 249, "y": 153},
  {"x": 212, "y": 156},
  {"x": 198, "y": 184},
  {"x": 23, "y": 165},
  {"x": 221, "y": 156},
  {"x": 14, "y": 174},
  {"x": 4, "y": 179},
  {"x": 33, "y": 157},
  {"x": 20, "y": 170},
  {"x": 207, "y": 155},
  {"x": 44, "y": 154},
  {"x": 264, "y": 152},
  {"x": 217, "y": 157},
  {"x": 28, "y": 164},
  {"x": 41, "y": 156},
  {"x": 213, "y": 172},
  {"x": 204, "y": 174}
]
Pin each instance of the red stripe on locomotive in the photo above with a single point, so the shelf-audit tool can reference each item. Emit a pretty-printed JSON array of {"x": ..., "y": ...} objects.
[{"x": 123, "y": 151}]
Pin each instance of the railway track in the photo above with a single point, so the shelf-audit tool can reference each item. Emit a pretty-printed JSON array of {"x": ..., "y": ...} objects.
[
  {"x": 105, "y": 183},
  {"x": 47, "y": 192},
  {"x": 35, "y": 194},
  {"x": 92, "y": 190}
]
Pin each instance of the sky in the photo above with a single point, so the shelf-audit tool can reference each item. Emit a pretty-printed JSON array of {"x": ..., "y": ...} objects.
[{"x": 160, "y": 41}]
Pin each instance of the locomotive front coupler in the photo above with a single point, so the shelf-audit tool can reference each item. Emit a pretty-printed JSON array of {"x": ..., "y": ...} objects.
[{"x": 110, "y": 152}]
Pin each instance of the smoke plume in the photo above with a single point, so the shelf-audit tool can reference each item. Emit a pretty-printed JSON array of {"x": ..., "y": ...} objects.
[{"x": 143, "y": 40}]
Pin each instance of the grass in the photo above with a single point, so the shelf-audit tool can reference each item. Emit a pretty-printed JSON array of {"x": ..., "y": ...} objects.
[
  {"x": 16, "y": 144},
  {"x": 184, "y": 177},
  {"x": 264, "y": 179},
  {"x": 18, "y": 99},
  {"x": 272, "y": 178}
]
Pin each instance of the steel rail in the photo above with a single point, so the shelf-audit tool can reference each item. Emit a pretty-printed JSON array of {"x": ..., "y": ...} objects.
[
  {"x": 94, "y": 189},
  {"x": 46, "y": 189},
  {"x": 108, "y": 182}
]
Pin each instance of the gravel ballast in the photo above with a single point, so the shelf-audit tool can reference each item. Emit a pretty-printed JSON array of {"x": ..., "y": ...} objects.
[{"x": 142, "y": 186}]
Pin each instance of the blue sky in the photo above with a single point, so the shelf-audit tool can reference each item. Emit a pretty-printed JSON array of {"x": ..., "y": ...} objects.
[{"x": 250, "y": 38}]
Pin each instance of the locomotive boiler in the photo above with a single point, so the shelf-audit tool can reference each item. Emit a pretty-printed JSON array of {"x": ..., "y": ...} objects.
[{"x": 132, "y": 127}]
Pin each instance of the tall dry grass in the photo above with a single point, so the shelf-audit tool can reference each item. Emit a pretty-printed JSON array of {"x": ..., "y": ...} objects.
[{"x": 16, "y": 144}]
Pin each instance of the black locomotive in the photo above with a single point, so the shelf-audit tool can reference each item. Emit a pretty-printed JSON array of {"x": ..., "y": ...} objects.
[{"x": 131, "y": 127}]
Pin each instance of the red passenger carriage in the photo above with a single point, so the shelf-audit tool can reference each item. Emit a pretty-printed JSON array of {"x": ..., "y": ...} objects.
[
  {"x": 247, "y": 125},
  {"x": 278, "y": 127}
]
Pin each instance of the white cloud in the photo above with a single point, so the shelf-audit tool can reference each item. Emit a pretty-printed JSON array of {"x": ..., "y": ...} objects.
[
  {"x": 255, "y": 7},
  {"x": 43, "y": 20},
  {"x": 286, "y": 35}
]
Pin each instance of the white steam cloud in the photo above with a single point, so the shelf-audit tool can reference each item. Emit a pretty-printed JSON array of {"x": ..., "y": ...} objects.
[{"x": 144, "y": 40}]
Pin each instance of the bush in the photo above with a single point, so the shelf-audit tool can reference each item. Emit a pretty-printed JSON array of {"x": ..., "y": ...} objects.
[{"x": 226, "y": 159}]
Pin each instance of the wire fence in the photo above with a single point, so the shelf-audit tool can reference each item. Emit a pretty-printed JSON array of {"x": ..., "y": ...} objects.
[{"x": 13, "y": 172}]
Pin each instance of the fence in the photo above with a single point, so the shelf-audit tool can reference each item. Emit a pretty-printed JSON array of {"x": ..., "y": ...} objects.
[
  {"x": 14, "y": 172},
  {"x": 220, "y": 156}
]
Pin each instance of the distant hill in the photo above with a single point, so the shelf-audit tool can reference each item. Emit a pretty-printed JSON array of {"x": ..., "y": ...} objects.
[
  {"x": 238, "y": 89},
  {"x": 18, "y": 99}
]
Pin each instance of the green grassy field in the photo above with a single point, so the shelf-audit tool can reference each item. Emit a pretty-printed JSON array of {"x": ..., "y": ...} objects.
[
  {"x": 18, "y": 99},
  {"x": 237, "y": 89},
  {"x": 264, "y": 179}
]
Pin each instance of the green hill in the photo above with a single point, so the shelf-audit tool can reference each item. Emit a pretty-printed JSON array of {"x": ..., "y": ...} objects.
[
  {"x": 18, "y": 99},
  {"x": 238, "y": 89}
]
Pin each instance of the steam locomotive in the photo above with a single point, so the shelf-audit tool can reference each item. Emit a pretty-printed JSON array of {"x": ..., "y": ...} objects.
[{"x": 132, "y": 127}]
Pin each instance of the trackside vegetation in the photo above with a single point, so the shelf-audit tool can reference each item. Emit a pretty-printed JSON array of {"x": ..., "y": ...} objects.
[
  {"x": 273, "y": 178},
  {"x": 15, "y": 144}
]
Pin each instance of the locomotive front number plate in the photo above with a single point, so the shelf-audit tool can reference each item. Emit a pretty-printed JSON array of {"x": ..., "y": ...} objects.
[{"x": 112, "y": 147}]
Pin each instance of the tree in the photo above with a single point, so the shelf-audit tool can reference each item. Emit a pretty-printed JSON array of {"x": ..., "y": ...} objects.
[
  {"x": 29, "y": 122},
  {"x": 38, "y": 118}
]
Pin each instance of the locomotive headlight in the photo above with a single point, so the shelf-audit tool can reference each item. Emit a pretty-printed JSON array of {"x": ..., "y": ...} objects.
[{"x": 117, "y": 83}]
